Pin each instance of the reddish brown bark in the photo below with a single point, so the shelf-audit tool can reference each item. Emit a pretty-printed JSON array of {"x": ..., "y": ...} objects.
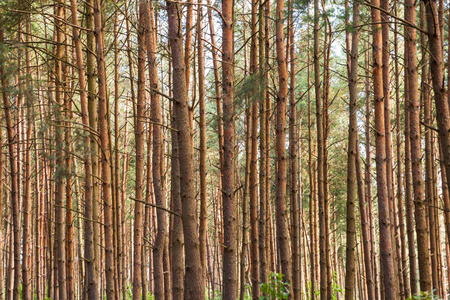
[
  {"x": 352, "y": 68},
  {"x": 282, "y": 233},
  {"x": 294, "y": 171},
  {"x": 139, "y": 183},
  {"x": 27, "y": 265},
  {"x": 230, "y": 247},
  {"x": 60, "y": 265},
  {"x": 14, "y": 198},
  {"x": 103, "y": 115},
  {"x": 203, "y": 192},
  {"x": 386, "y": 249},
  {"x": 194, "y": 279},
  {"x": 253, "y": 181}
]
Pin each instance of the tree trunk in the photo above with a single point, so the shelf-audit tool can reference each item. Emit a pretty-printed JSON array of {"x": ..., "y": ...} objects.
[
  {"x": 352, "y": 67},
  {"x": 294, "y": 183},
  {"x": 386, "y": 249},
  {"x": 229, "y": 218},
  {"x": 203, "y": 151},
  {"x": 94, "y": 281},
  {"x": 416, "y": 153},
  {"x": 263, "y": 69},
  {"x": 399, "y": 196},
  {"x": 103, "y": 115},
  {"x": 27, "y": 200},
  {"x": 320, "y": 158},
  {"x": 281, "y": 213},
  {"x": 69, "y": 230},
  {"x": 385, "y": 14},
  {"x": 14, "y": 198},
  {"x": 139, "y": 183},
  {"x": 442, "y": 106},
  {"x": 194, "y": 279},
  {"x": 59, "y": 172},
  {"x": 253, "y": 180}
]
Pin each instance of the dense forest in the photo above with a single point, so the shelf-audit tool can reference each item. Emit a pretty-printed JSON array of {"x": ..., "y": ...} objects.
[{"x": 276, "y": 149}]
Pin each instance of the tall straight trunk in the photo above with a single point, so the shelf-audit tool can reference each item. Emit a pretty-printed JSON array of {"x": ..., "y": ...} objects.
[
  {"x": 367, "y": 179},
  {"x": 229, "y": 218},
  {"x": 262, "y": 146},
  {"x": 218, "y": 97},
  {"x": 59, "y": 172},
  {"x": 69, "y": 230},
  {"x": 105, "y": 145},
  {"x": 178, "y": 261},
  {"x": 177, "y": 234},
  {"x": 311, "y": 178},
  {"x": 14, "y": 198},
  {"x": 245, "y": 193},
  {"x": 386, "y": 249},
  {"x": 124, "y": 226},
  {"x": 94, "y": 281},
  {"x": 409, "y": 204},
  {"x": 320, "y": 158},
  {"x": 365, "y": 228},
  {"x": 352, "y": 67},
  {"x": 267, "y": 217},
  {"x": 446, "y": 197},
  {"x": 118, "y": 246},
  {"x": 363, "y": 190},
  {"x": 203, "y": 230},
  {"x": 399, "y": 196},
  {"x": 326, "y": 123},
  {"x": 416, "y": 153},
  {"x": 194, "y": 279},
  {"x": 139, "y": 144},
  {"x": 281, "y": 213},
  {"x": 368, "y": 174},
  {"x": 157, "y": 167},
  {"x": 441, "y": 101},
  {"x": 433, "y": 225},
  {"x": 91, "y": 280},
  {"x": 38, "y": 207},
  {"x": 2, "y": 231},
  {"x": 428, "y": 201},
  {"x": 26, "y": 204},
  {"x": 294, "y": 180},
  {"x": 147, "y": 253},
  {"x": 147, "y": 260},
  {"x": 253, "y": 181},
  {"x": 388, "y": 140},
  {"x": 436, "y": 219},
  {"x": 245, "y": 196}
]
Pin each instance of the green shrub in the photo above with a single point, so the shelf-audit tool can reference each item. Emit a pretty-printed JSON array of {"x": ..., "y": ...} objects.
[{"x": 276, "y": 288}]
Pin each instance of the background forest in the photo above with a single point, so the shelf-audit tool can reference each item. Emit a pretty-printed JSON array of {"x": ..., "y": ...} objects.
[{"x": 219, "y": 150}]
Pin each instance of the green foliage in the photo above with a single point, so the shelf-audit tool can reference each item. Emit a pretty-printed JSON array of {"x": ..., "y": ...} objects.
[
  {"x": 336, "y": 288},
  {"x": 150, "y": 296},
  {"x": 424, "y": 296},
  {"x": 248, "y": 292},
  {"x": 217, "y": 295},
  {"x": 129, "y": 292},
  {"x": 276, "y": 288},
  {"x": 252, "y": 87}
]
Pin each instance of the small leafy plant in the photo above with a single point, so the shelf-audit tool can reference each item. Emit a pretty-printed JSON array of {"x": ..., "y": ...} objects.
[
  {"x": 336, "y": 288},
  {"x": 276, "y": 288},
  {"x": 424, "y": 296}
]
